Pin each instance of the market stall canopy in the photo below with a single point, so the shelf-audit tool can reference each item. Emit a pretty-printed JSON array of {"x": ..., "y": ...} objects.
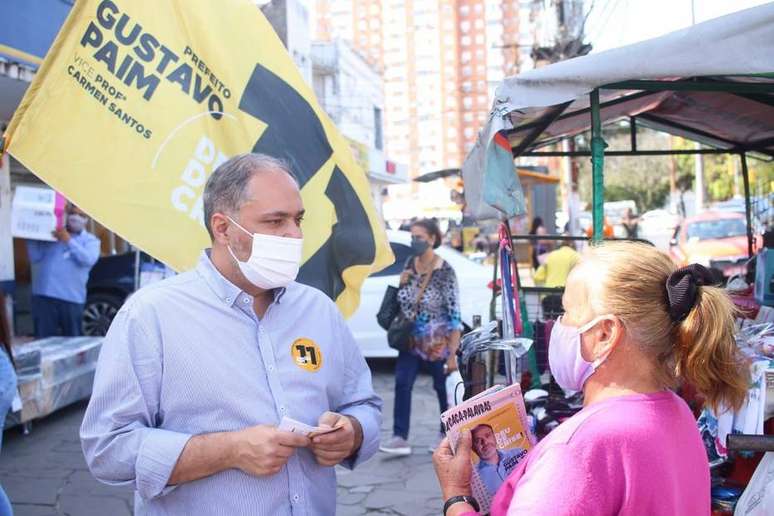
[
  {"x": 536, "y": 173},
  {"x": 711, "y": 83}
]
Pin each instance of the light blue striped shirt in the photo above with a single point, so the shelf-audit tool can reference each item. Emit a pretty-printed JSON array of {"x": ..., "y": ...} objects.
[{"x": 189, "y": 356}]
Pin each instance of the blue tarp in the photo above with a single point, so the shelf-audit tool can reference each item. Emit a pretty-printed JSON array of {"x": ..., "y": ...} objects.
[{"x": 28, "y": 28}]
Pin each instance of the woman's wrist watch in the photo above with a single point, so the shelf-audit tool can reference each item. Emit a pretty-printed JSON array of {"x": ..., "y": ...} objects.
[{"x": 460, "y": 499}]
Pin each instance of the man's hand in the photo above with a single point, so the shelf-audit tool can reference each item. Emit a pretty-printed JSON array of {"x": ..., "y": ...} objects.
[
  {"x": 263, "y": 450},
  {"x": 62, "y": 235},
  {"x": 454, "y": 470},
  {"x": 332, "y": 448}
]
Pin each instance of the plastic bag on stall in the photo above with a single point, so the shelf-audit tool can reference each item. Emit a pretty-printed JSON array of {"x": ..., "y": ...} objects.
[
  {"x": 758, "y": 497},
  {"x": 455, "y": 388}
]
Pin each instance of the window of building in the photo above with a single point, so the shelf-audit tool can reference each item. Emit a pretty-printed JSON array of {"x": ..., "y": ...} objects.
[
  {"x": 468, "y": 132},
  {"x": 479, "y": 24},
  {"x": 467, "y": 117},
  {"x": 480, "y": 39},
  {"x": 464, "y": 10},
  {"x": 465, "y": 26},
  {"x": 465, "y": 40},
  {"x": 467, "y": 102}
]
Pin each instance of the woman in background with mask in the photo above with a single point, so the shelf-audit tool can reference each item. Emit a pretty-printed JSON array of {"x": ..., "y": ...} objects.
[
  {"x": 634, "y": 329},
  {"x": 429, "y": 296}
]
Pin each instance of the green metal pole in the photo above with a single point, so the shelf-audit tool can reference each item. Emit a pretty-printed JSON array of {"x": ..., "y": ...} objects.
[
  {"x": 598, "y": 168},
  {"x": 747, "y": 208}
]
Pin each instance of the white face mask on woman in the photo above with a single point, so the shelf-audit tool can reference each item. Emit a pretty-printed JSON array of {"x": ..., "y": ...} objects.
[
  {"x": 274, "y": 261},
  {"x": 568, "y": 367}
]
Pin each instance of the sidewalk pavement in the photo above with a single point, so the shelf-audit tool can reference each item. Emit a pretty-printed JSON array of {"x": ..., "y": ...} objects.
[{"x": 44, "y": 473}]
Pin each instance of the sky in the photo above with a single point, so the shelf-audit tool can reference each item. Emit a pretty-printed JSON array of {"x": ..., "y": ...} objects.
[{"x": 615, "y": 23}]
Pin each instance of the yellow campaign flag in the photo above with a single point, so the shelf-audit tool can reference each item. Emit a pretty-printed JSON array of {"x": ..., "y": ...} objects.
[{"x": 137, "y": 102}]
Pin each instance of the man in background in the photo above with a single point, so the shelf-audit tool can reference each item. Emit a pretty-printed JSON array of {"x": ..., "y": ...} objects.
[
  {"x": 60, "y": 271},
  {"x": 556, "y": 266}
]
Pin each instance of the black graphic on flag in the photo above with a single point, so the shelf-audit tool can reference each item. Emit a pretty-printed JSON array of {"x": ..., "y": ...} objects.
[{"x": 296, "y": 135}]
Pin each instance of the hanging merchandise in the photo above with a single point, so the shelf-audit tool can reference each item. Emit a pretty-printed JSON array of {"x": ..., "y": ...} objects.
[
  {"x": 512, "y": 322},
  {"x": 764, "y": 278},
  {"x": 758, "y": 497},
  {"x": 755, "y": 342}
]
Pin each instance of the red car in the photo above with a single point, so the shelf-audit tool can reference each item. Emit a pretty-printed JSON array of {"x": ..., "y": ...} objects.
[{"x": 713, "y": 239}]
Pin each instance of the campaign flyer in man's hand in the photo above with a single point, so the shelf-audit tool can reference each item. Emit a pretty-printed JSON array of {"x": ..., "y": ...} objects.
[{"x": 501, "y": 437}]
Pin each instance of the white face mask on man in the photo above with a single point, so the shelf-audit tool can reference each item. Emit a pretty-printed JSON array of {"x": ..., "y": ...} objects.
[
  {"x": 274, "y": 261},
  {"x": 568, "y": 367}
]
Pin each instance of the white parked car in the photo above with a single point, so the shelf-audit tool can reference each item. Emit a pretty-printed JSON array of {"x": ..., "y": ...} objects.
[
  {"x": 475, "y": 294},
  {"x": 658, "y": 221}
]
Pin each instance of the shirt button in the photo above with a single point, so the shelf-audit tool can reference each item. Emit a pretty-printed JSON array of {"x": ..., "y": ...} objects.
[
  {"x": 245, "y": 300},
  {"x": 296, "y": 498},
  {"x": 282, "y": 409},
  {"x": 271, "y": 368},
  {"x": 228, "y": 300}
]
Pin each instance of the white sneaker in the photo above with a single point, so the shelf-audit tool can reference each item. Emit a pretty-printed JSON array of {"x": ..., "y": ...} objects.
[
  {"x": 396, "y": 446},
  {"x": 436, "y": 443}
]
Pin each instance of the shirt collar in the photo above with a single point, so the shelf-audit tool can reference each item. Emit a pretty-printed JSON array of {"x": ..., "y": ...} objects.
[{"x": 223, "y": 288}]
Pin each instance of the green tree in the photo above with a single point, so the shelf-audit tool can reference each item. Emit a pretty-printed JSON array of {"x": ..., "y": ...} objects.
[{"x": 643, "y": 179}]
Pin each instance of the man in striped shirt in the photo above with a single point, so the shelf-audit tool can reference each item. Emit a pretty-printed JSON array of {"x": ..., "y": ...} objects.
[{"x": 197, "y": 371}]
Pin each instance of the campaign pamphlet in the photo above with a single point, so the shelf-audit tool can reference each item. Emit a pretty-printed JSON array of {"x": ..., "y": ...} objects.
[
  {"x": 501, "y": 437},
  {"x": 288, "y": 424},
  {"x": 36, "y": 212}
]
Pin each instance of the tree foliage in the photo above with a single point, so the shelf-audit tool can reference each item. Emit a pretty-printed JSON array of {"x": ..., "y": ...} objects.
[{"x": 646, "y": 179}]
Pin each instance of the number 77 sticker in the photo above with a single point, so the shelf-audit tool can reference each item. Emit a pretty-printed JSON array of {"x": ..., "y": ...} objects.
[{"x": 306, "y": 354}]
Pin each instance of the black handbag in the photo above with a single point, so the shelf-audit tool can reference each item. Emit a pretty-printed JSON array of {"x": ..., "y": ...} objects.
[
  {"x": 389, "y": 309},
  {"x": 400, "y": 328},
  {"x": 399, "y": 333},
  {"x": 390, "y": 305}
]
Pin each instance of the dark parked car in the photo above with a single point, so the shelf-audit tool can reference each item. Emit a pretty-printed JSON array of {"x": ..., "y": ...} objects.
[{"x": 111, "y": 281}]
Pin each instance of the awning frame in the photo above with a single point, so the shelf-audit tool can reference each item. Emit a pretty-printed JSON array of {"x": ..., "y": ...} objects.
[{"x": 756, "y": 91}]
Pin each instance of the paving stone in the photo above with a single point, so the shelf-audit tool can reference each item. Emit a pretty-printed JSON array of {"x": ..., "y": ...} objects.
[
  {"x": 351, "y": 499},
  {"x": 383, "y": 498},
  {"x": 33, "y": 510},
  {"x": 40, "y": 491},
  {"x": 350, "y": 510},
  {"x": 93, "y": 506}
]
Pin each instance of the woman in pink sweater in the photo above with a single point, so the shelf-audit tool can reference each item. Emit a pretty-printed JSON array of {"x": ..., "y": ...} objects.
[{"x": 634, "y": 328}]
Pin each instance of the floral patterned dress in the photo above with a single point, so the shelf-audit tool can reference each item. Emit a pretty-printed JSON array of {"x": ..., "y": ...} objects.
[{"x": 438, "y": 313}]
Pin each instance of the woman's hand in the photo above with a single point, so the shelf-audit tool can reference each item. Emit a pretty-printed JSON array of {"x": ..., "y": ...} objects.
[
  {"x": 405, "y": 276},
  {"x": 454, "y": 470},
  {"x": 451, "y": 363}
]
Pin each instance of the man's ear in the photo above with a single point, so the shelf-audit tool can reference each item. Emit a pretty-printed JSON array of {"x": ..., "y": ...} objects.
[{"x": 219, "y": 224}]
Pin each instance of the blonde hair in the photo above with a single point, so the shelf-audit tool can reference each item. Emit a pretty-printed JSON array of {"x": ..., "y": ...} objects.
[{"x": 628, "y": 280}]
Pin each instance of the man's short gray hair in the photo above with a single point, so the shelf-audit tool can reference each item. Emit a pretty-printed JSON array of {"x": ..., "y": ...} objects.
[{"x": 226, "y": 189}]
